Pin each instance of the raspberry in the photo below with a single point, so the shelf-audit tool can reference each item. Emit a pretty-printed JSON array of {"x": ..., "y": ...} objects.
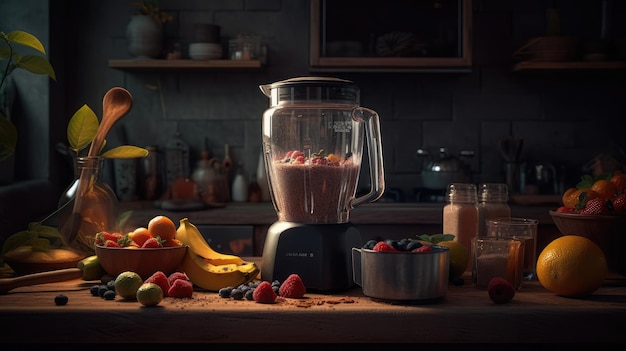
[
  {"x": 292, "y": 287},
  {"x": 382, "y": 246},
  {"x": 500, "y": 290},
  {"x": 423, "y": 248},
  {"x": 264, "y": 293},
  {"x": 176, "y": 275},
  {"x": 181, "y": 288},
  {"x": 159, "y": 278}
]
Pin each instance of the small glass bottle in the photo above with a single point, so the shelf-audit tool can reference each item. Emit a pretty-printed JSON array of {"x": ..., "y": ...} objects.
[
  {"x": 96, "y": 210},
  {"x": 460, "y": 214},
  {"x": 492, "y": 203}
]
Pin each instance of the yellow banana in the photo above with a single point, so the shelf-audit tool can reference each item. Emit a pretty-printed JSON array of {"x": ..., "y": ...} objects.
[
  {"x": 189, "y": 235},
  {"x": 214, "y": 277}
]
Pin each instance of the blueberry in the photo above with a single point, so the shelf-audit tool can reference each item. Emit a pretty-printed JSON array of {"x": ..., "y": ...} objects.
[
  {"x": 60, "y": 300},
  {"x": 413, "y": 245},
  {"x": 109, "y": 295},
  {"x": 237, "y": 294},
  {"x": 102, "y": 289},
  {"x": 111, "y": 285},
  {"x": 370, "y": 244},
  {"x": 95, "y": 290},
  {"x": 458, "y": 281},
  {"x": 403, "y": 244},
  {"x": 249, "y": 293},
  {"x": 276, "y": 289},
  {"x": 225, "y": 292},
  {"x": 276, "y": 283}
]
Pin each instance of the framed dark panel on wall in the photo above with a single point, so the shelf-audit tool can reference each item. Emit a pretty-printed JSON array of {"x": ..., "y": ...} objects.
[{"x": 394, "y": 34}]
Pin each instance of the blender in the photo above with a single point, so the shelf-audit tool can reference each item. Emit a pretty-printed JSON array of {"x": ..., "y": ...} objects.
[{"x": 313, "y": 136}]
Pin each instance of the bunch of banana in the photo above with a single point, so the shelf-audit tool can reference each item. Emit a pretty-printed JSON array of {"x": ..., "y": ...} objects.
[{"x": 208, "y": 268}]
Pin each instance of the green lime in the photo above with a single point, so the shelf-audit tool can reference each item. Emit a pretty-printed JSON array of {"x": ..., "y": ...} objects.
[
  {"x": 127, "y": 283},
  {"x": 149, "y": 294}
]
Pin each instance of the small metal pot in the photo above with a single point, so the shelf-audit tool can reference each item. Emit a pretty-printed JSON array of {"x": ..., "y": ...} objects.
[{"x": 399, "y": 276}]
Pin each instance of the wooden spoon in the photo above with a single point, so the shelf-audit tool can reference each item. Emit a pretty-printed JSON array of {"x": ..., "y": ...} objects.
[
  {"x": 115, "y": 104},
  {"x": 8, "y": 284}
]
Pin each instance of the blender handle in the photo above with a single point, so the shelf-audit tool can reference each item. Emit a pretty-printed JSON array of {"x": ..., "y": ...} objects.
[{"x": 375, "y": 153}]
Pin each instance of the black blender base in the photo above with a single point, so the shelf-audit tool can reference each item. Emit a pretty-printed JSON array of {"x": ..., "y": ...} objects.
[{"x": 321, "y": 254}]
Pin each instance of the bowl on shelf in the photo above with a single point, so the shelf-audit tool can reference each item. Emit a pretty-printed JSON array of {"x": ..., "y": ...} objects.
[
  {"x": 608, "y": 232},
  {"x": 144, "y": 262},
  {"x": 205, "y": 51}
]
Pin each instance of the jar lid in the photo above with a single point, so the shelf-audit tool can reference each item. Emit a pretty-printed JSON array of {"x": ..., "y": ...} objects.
[
  {"x": 312, "y": 89},
  {"x": 493, "y": 192},
  {"x": 461, "y": 192}
]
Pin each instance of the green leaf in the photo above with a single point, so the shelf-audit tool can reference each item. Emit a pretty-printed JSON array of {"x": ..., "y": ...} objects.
[
  {"x": 26, "y": 39},
  {"x": 82, "y": 128},
  {"x": 36, "y": 64},
  {"x": 126, "y": 151},
  {"x": 123, "y": 218}
]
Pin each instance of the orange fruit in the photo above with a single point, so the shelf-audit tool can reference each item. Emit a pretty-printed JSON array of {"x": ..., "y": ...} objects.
[
  {"x": 172, "y": 242},
  {"x": 620, "y": 181},
  {"x": 459, "y": 258},
  {"x": 140, "y": 235},
  {"x": 571, "y": 196},
  {"x": 162, "y": 227},
  {"x": 571, "y": 266},
  {"x": 605, "y": 188}
]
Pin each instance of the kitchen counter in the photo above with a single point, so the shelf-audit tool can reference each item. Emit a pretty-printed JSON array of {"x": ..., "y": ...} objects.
[{"x": 464, "y": 315}]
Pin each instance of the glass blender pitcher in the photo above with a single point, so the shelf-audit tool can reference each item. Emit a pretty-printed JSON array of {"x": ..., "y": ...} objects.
[{"x": 313, "y": 136}]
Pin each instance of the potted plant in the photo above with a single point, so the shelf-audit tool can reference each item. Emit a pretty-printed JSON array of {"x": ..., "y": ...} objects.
[
  {"x": 33, "y": 63},
  {"x": 144, "y": 31}
]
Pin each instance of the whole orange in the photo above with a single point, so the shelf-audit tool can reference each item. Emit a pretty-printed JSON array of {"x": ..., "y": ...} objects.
[
  {"x": 571, "y": 196},
  {"x": 572, "y": 266},
  {"x": 605, "y": 188},
  {"x": 162, "y": 227},
  {"x": 140, "y": 235}
]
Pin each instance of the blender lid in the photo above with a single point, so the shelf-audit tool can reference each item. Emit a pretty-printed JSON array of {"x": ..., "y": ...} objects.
[{"x": 325, "y": 89}]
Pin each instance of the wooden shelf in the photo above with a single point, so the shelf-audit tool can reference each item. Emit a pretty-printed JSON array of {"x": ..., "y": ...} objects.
[
  {"x": 182, "y": 65},
  {"x": 573, "y": 65}
]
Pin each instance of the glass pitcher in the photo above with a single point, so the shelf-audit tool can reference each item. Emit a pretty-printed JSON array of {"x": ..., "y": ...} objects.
[{"x": 313, "y": 135}]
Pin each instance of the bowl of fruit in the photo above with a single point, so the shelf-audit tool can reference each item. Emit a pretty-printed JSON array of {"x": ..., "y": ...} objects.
[
  {"x": 143, "y": 250},
  {"x": 596, "y": 209},
  {"x": 401, "y": 270}
]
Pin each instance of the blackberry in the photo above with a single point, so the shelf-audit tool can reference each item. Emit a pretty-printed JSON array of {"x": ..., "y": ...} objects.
[
  {"x": 237, "y": 294},
  {"x": 225, "y": 292},
  {"x": 60, "y": 300},
  {"x": 109, "y": 295},
  {"x": 95, "y": 290}
]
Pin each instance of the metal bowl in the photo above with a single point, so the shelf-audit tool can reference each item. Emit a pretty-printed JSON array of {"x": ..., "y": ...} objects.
[{"x": 402, "y": 276}]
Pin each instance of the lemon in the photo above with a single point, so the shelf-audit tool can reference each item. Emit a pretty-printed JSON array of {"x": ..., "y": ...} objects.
[
  {"x": 459, "y": 258},
  {"x": 127, "y": 283},
  {"x": 149, "y": 294}
]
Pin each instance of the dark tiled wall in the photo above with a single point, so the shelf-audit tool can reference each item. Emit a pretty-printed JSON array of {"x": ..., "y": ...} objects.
[{"x": 566, "y": 118}]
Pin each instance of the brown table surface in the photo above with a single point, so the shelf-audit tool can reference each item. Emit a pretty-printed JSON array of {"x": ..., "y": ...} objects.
[{"x": 464, "y": 315}]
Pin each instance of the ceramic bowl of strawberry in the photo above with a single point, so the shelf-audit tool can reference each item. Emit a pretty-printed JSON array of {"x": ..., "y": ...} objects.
[
  {"x": 143, "y": 261},
  {"x": 607, "y": 231}
]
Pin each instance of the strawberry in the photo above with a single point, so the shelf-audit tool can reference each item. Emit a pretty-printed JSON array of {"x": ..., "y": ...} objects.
[
  {"x": 153, "y": 243},
  {"x": 423, "y": 248},
  {"x": 564, "y": 209},
  {"x": 595, "y": 206},
  {"x": 177, "y": 275},
  {"x": 264, "y": 293},
  {"x": 619, "y": 204},
  {"x": 292, "y": 287},
  {"x": 383, "y": 246},
  {"x": 111, "y": 243},
  {"x": 500, "y": 290},
  {"x": 102, "y": 237},
  {"x": 181, "y": 289},
  {"x": 159, "y": 278}
]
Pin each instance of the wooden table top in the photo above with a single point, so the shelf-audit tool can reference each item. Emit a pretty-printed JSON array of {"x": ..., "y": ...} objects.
[{"x": 465, "y": 314}]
